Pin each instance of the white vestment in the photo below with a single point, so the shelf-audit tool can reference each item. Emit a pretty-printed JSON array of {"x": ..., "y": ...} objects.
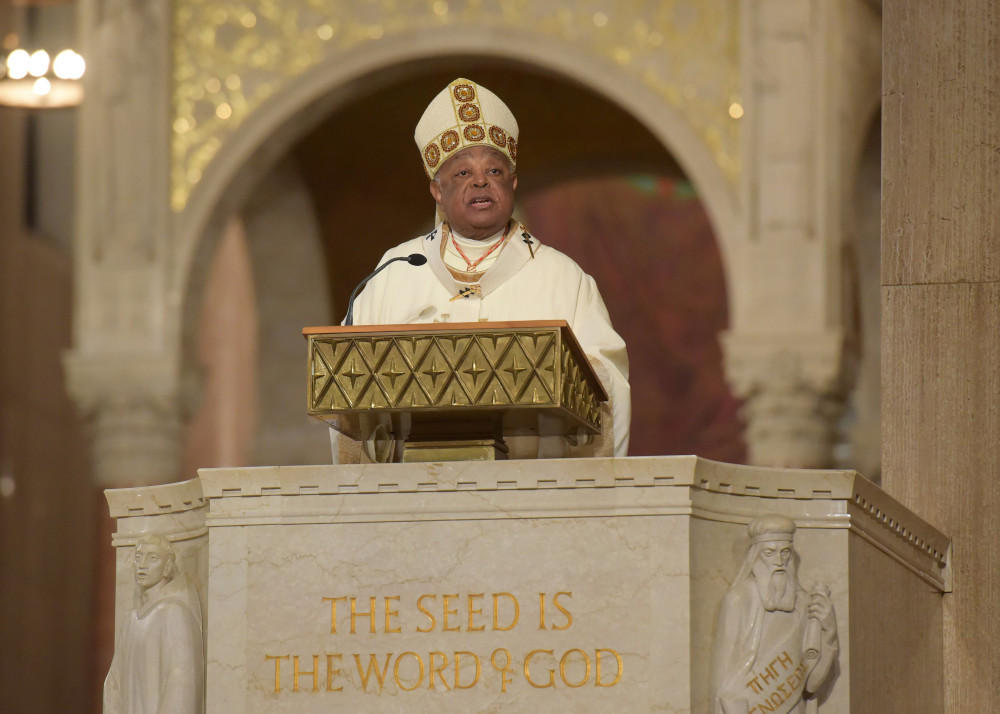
[{"x": 528, "y": 281}]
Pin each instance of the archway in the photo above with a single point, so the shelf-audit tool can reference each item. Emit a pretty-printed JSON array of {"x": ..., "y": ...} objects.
[
  {"x": 309, "y": 98},
  {"x": 369, "y": 194}
]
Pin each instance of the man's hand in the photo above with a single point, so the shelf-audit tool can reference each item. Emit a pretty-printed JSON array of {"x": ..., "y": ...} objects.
[{"x": 821, "y": 608}]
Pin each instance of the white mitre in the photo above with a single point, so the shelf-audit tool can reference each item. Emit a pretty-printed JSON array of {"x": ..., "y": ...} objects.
[{"x": 464, "y": 114}]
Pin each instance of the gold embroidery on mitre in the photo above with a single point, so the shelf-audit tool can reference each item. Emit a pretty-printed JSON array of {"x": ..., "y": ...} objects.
[
  {"x": 450, "y": 140},
  {"x": 469, "y": 112},
  {"x": 471, "y": 125},
  {"x": 474, "y": 132},
  {"x": 464, "y": 92},
  {"x": 432, "y": 154},
  {"x": 499, "y": 137}
]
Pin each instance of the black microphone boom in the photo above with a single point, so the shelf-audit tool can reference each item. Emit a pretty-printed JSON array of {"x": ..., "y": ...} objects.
[{"x": 412, "y": 259}]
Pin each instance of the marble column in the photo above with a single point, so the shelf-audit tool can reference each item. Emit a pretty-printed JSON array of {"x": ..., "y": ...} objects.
[
  {"x": 132, "y": 409},
  {"x": 793, "y": 388},
  {"x": 941, "y": 311},
  {"x": 122, "y": 369},
  {"x": 810, "y": 86}
]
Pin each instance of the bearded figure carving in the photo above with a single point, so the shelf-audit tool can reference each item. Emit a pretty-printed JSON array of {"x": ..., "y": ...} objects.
[{"x": 775, "y": 644}]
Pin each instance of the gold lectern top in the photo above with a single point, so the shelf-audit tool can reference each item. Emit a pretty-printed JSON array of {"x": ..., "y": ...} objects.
[{"x": 453, "y": 380}]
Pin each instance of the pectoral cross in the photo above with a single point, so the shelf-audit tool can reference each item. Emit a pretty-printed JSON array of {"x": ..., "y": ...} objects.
[
  {"x": 526, "y": 239},
  {"x": 467, "y": 292}
]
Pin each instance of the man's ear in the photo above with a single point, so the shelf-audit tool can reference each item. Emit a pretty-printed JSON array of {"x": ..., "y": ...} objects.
[
  {"x": 436, "y": 191},
  {"x": 513, "y": 182}
]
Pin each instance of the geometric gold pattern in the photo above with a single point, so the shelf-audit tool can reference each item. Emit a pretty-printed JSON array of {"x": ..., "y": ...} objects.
[{"x": 510, "y": 372}]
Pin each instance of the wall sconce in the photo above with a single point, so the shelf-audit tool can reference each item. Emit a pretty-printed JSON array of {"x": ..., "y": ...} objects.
[{"x": 33, "y": 74}]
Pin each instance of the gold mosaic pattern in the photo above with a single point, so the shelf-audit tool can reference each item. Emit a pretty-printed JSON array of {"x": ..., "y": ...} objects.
[
  {"x": 230, "y": 56},
  {"x": 506, "y": 368}
]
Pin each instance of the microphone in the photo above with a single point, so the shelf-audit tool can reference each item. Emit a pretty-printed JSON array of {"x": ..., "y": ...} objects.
[{"x": 412, "y": 259}]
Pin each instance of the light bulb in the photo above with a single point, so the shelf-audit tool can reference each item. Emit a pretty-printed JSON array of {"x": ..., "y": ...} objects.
[
  {"x": 68, "y": 65},
  {"x": 17, "y": 64},
  {"x": 38, "y": 65}
]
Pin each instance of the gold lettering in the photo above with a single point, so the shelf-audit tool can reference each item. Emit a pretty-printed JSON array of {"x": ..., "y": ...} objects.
[
  {"x": 767, "y": 675},
  {"x": 563, "y": 610},
  {"x": 331, "y": 673},
  {"x": 297, "y": 672},
  {"x": 277, "y": 669},
  {"x": 429, "y": 615},
  {"x": 453, "y": 611},
  {"x": 785, "y": 659},
  {"x": 389, "y": 614},
  {"x": 370, "y": 614},
  {"x": 372, "y": 667},
  {"x": 562, "y": 669},
  {"x": 504, "y": 669},
  {"x": 597, "y": 673},
  {"x": 541, "y": 611},
  {"x": 527, "y": 670},
  {"x": 496, "y": 612},
  {"x": 754, "y": 685},
  {"x": 794, "y": 678},
  {"x": 333, "y": 612},
  {"x": 474, "y": 611},
  {"x": 395, "y": 671},
  {"x": 434, "y": 669},
  {"x": 458, "y": 669}
]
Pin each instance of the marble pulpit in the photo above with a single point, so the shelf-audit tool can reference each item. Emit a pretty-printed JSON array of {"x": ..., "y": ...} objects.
[{"x": 567, "y": 585}]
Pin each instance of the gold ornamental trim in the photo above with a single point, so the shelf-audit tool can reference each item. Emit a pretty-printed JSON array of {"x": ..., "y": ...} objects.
[
  {"x": 414, "y": 378},
  {"x": 230, "y": 58}
]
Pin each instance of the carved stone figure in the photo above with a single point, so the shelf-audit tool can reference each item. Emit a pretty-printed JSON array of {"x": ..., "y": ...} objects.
[
  {"x": 158, "y": 664},
  {"x": 775, "y": 644}
]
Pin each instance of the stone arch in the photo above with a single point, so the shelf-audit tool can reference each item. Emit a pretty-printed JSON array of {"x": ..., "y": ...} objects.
[{"x": 268, "y": 133}]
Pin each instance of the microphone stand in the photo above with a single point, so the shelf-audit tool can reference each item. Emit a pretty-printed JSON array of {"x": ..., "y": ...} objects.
[{"x": 412, "y": 259}]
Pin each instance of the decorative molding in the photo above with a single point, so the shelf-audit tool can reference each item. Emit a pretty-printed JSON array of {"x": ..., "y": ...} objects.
[
  {"x": 895, "y": 530},
  {"x": 638, "y": 486},
  {"x": 171, "y": 498},
  {"x": 174, "y": 510}
]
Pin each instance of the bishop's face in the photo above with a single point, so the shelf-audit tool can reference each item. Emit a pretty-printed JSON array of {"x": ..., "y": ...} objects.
[{"x": 475, "y": 191}]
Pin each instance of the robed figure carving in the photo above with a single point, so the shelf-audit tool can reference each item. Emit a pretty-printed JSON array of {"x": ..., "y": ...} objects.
[
  {"x": 775, "y": 644},
  {"x": 158, "y": 666}
]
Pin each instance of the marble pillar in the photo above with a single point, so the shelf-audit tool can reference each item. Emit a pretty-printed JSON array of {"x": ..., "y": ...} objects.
[
  {"x": 940, "y": 315},
  {"x": 810, "y": 85}
]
